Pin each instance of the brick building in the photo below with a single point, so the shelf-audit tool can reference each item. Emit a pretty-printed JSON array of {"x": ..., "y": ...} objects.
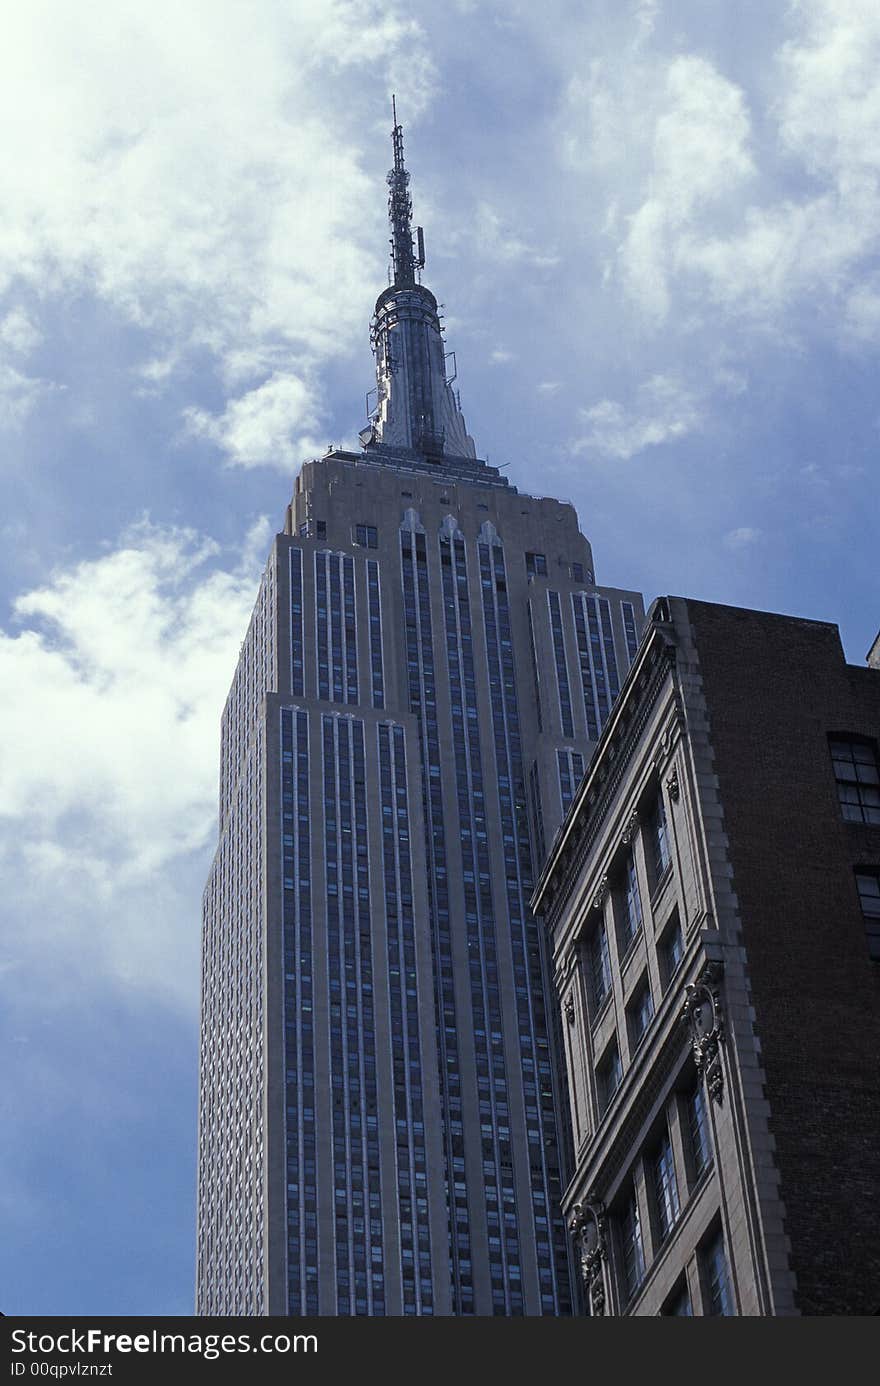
[{"x": 713, "y": 905}]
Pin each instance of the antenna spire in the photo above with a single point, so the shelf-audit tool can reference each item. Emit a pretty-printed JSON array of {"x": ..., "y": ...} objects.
[{"x": 404, "y": 259}]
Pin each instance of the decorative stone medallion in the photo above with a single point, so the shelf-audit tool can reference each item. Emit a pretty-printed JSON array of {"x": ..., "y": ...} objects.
[
  {"x": 703, "y": 1016},
  {"x": 588, "y": 1227}
]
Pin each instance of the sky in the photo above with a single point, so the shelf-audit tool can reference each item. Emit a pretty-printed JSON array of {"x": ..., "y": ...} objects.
[{"x": 654, "y": 226}]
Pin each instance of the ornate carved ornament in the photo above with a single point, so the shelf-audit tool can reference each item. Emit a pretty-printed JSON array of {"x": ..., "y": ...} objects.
[
  {"x": 569, "y": 1008},
  {"x": 671, "y": 730},
  {"x": 704, "y": 1018},
  {"x": 588, "y": 1227},
  {"x": 601, "y": 893},
  {"x": 630, "y": 829},
  {"x": 673, "y": 786}
]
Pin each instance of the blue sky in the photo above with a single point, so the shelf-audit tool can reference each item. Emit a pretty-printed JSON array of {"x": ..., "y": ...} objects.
[{"x": 654, "y": 227}]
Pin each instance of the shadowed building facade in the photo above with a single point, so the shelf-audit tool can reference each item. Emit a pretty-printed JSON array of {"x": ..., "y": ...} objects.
[
  {"x": 429, "y": 662},
  {"x": 713, "y": 903}
]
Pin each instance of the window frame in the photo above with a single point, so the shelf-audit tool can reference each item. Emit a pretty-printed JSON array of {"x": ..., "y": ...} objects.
[
  {"x": 864, "y": 807},
  {"x": 871, "y": 920},
  {"x": 365, "y": 536},
  {"x": 692, "y": 1098},
  {"x": 660, "y": 855},
  {"x": 536, "y": 564},
  {"x": 609, "y": 1060},
  {"x": 631, "y": 1245},
  {"x": 680, "y": 1295},
  {"x": 715, "y": 1242},
  {"x": 636, "y": 1012},
  {"x": 630, "y": 921},
  {"x": 598, "y": 1003},
  {"x": 671, "y": 929},
  {"x": 664, "y": 1186}
]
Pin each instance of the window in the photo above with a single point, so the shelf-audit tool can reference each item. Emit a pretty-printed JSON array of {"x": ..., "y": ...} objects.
[
  {"x": 631, "y": 1246},
  {"x": 629, "y": 629},
  {"x": 658, "y": 835},
  {"x": 577, "y": 572},
  {"x": 665, "y": 1187},
  {"x": 719, "y": 1300},
  {"x": 536, "y": 564},
  {"x": 868, "y": 883},
  {"x": 678, "y": 1305},
  {"x": 321, "y": 529},
  {"x": 598, "y": 965},
  {"x": 366, "y": 536},
  {"x": 670, "y": 949},
  {"x": 608, "y": 1075},
  {"x": 858, "y": 779},
  {"x": 631, "y": 904},
  {"x": 698, "y": 1129},
  {"x": 640, "y": 1013}
]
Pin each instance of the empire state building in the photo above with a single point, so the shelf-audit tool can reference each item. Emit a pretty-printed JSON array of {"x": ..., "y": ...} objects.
[{"x": 428, "y": 666}]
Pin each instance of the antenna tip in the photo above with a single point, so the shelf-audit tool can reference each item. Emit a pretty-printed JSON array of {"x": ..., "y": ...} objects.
[{"x": 394, "y": 107}]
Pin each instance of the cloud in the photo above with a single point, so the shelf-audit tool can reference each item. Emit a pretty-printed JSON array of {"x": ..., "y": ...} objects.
[
  {"x": 829, "y": 108},
  {"x": 501, "y": 356},
  {"x": 665, "y": 411},
  {"x": 700, "y": 157},
  {"x": 18, "y": 332},
  {"x": 18, "y": 395},
  {"x": 827, "y": 112},
  {"x": 180, "y": 173},
  {"x": 862, "y": 313},
  {"x": 743, "y": 538},
  {"x": 19, "y": 392},
  {"x": 114, "y": 679},
  {"x": 494, "y": 238},
  {"x": 713, "y": 195},
  {"x": 270, "y": 425}
]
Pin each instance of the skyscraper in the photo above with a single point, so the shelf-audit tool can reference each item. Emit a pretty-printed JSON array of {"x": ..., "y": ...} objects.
[{"x": 429, "y": 661}]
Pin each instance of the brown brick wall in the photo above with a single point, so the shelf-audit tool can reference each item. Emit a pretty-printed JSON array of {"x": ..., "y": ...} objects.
[{"x": 775, "y": 687}]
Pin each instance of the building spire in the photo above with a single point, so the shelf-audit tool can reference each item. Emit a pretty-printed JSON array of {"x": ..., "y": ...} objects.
[
  {"x": 416, "y": 409},
  {"x": 404, "y": 260}
]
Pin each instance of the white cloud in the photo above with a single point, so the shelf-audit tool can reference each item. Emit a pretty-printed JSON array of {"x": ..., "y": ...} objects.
[
  {"x": 862, "y": 313},
  {"x": 270, "y": 425},
  {"x": 156, "y": 373},
  {"x": 493, "y": 237},
  {"x": 114, "y": 683},
  {"x": 700, "y": 157},
  {"x": 114, "y": 677},
  {"x": 18, "y": 395},
  {"x": 762, "y": 202},
  {"x": 501, "y": 356},
  {"x": 19, "y": 333},
  {"x": 665, "y": 411},
  {"x": 829, "y": 104},
  {"x": 828, "y": 122},
  {"x": 742, "y": 538},
  {"x": 178, "y": 162}
]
